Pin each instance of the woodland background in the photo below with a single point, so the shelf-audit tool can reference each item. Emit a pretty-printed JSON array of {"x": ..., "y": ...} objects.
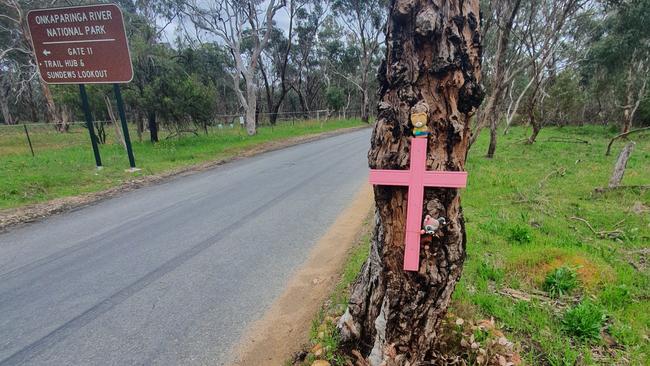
[{"x": 196, "y": 64}]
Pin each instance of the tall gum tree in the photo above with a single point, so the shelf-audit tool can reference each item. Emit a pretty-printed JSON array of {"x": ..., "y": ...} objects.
[
  {"x": 432, "y": 63},
  {"x": 231, "y": 21}
]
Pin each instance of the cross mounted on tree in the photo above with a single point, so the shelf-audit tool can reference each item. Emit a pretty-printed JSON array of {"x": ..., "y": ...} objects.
[{"x": 416, "y": 178}]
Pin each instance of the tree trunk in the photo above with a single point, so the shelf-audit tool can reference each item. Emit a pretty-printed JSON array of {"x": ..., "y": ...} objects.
[
  {"x": 64, "y": 119},
  {"x": 493, "y": 141},
  {"x": 365, "y": 107},
  {"x": 32, "y": 103},
  {"x": 537, "y": 124},
  {"x": 434, "y": 63},
  {"x": 52, "y": 113},
  {"x": 273, "y": 116},
  {"x": 153, "y": 127},
  {"x": 251, "y": 111},
  {"x": 621, "y": 164},
  {"x": 491, "y": 116},
  {"x": 6, "y": 113},
  {"x": 629, "y": 100},
  {"x": 498, "y": 80},
  {"x": 116, "y": 126}
]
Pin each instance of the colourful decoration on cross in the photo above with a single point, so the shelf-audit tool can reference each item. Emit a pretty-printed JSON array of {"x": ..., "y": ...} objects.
[{"x": 416, "y": 178}]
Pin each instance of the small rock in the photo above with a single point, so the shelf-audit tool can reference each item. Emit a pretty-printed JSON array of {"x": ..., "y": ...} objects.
[{"x": 459, "y": 321}]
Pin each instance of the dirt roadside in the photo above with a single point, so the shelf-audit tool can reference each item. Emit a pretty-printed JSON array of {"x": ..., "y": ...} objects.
[
  {"x": 32, "y": 213},
  {"x": 285, "y": 326}
]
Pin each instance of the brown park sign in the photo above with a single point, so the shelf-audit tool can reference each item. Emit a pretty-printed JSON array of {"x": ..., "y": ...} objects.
[{"x": 81, "y": 44}]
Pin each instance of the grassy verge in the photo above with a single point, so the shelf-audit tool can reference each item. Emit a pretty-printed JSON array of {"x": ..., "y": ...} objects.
[
  {"x": 64, "y": 166},
  {"x": 323, "y": 338},
  {"x": 563, "y": 271}
]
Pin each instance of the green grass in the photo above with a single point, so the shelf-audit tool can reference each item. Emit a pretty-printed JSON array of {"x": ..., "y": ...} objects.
[
  {"x": 64, "y": 165},
  {"x": 521, "y": 235},
  {"x": 518, "y": 208}
]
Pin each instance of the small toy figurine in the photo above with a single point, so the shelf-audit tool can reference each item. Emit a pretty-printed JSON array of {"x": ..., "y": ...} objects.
[
  {"x": 419, "y": 122},
  {"x": 432, "y": 225},
  {"x": 419, "y": 117}
]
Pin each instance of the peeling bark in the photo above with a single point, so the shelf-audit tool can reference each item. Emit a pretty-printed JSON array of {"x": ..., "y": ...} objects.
[{"x": 393, "y": 315}]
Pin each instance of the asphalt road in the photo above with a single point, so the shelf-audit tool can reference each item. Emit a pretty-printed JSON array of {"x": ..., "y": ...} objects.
[{"x": 171, "y": 274}]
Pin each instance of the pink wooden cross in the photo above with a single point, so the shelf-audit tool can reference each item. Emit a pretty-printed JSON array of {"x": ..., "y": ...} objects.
[{"x": 416, "y": 178}]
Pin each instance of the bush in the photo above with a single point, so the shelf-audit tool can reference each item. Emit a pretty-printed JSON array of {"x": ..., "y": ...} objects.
[
  {"x": 584, "y": 321},
  {"x": 560, "y": 281}
]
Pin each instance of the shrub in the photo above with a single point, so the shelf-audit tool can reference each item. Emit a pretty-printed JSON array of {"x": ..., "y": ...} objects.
[
  {"x": 560, "y": 281},
  {"x": 584, "y": 321},
  {"x": 520, "y": 234}
]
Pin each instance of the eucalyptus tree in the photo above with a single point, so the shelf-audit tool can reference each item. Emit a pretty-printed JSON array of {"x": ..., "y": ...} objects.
[
  {"x": 365, "y": 21},
  {"x": 232, "y": 22},
  {"x": 307, "y": 64},
  {"x": 432, "y": 66},
  {"x": 620, "y": 56},
  {"x": 503, "y": 61},
  {"x": 17, "y": 55},
  {"x": 543, "y": 41},
  {"x": 276, "y": 58}
]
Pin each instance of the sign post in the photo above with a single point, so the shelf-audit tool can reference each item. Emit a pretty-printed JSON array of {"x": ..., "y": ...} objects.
[
  {"x": 84, "y": 45},
  {"x": 125, "y": 127},
  {"x": 89, "y": 123}
]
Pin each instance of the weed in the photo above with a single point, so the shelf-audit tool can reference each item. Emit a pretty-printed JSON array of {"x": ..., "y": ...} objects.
[
  {"x": 560, "y": 281},
  {"x": 584, "y": 321},
  {"x": 520, "y": 234}
]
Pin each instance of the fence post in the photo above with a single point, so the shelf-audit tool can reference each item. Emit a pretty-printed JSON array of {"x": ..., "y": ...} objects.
[{"x": 28, "y": 139}]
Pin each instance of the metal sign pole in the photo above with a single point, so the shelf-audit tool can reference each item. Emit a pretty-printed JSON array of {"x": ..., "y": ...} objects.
[
  {"x": 125, "y": 127},
  {"x": 89, "y": 122}
]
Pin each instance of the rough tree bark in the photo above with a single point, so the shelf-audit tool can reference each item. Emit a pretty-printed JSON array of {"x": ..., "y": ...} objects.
[{"x": 432, "y": 63}]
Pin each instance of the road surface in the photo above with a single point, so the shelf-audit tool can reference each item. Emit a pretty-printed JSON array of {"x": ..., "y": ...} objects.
[{"x": 171, "y": 274}]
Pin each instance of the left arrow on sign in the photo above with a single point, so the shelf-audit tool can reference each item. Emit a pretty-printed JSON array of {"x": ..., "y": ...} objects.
[{"x": 46, "y": 52}]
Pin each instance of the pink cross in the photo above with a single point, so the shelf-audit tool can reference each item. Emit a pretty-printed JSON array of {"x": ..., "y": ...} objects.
[{"x": 416, "y": 178}]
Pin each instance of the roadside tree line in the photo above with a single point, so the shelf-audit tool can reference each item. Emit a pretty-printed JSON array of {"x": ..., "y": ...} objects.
[{"x": 545, "y": 62}]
